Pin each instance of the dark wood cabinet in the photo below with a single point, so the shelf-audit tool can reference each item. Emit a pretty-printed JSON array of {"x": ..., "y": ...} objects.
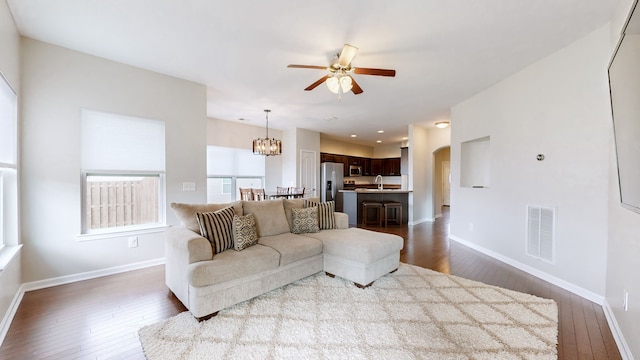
[
  {"x": 370, "y": 167},
  {"x": 376, "y": 167},
  {"x": 391, "y": 166},
  {"x": 366, "y": 167},
  {"x": 324, "y": 157}
]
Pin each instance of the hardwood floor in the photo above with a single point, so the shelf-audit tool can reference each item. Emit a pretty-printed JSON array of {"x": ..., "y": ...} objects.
[{"x": 99, "y": 318}]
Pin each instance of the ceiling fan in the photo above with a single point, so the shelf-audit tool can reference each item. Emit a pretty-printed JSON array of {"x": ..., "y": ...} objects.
[{"x": 339, "y": 78}]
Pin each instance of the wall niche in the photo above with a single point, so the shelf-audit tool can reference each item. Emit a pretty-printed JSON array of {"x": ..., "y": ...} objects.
[{"x": 474, "y": 163}]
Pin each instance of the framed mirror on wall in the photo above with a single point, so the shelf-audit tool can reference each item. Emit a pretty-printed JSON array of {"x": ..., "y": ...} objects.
[{"x": 624, "y": 86}]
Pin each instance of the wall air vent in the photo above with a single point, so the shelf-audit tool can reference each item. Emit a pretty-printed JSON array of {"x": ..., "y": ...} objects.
[{"x": 541, "y": 223}]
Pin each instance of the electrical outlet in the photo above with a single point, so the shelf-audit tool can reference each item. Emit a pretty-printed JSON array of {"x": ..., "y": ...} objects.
[
  {"x": 133, "y": 242},
  {"x": 625, "y": 301},
  {"x": 188, "y": 186}
]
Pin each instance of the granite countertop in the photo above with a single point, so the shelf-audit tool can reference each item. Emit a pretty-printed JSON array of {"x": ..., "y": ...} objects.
[{"x": 376, "y": 191}]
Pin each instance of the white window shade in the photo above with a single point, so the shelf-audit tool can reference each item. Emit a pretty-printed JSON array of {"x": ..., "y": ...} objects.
[
  {"x": 233, "y": 162},
  {"x": 8, "y": 123},
  {"x": 116, "y": 142}
]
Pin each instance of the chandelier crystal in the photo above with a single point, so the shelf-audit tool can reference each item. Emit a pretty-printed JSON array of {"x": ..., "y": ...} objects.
[{"x": 267, "y": 146}]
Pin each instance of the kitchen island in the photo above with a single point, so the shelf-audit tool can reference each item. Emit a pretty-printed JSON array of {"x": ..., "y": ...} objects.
[{"x": 352, "y": 202}]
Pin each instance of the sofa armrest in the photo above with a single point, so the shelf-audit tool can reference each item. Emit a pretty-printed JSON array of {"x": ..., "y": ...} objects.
[
  {"x": 187, "y": 246},
  {"x": 183, "y": 247},
  {"x": 342, "y": 220}
]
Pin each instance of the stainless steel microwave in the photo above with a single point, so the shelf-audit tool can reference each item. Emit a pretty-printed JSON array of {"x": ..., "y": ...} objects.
[{"x": 355, "y": 170}]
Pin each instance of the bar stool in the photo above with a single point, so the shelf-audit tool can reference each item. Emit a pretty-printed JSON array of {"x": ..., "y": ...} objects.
[
  {"x": 397, "y": 212},
  {"x": 366, "y": 205}
]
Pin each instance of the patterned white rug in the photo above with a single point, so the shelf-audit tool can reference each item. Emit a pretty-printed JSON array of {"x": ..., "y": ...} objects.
[{"x": 414, "y": 313}]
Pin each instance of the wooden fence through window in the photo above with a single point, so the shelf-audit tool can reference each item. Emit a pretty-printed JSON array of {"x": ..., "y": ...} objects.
[{"x": 122, "y": 203}]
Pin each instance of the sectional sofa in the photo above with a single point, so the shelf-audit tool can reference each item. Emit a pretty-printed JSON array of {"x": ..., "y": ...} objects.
[{"x": 289, "y": 239}]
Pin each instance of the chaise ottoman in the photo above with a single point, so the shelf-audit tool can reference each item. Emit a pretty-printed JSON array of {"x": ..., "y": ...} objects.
[{"x": 359, "y": 255}]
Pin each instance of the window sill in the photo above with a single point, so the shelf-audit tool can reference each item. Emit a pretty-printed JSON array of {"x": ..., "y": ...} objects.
[
  {"x": 121, "y": 233},
  {"x": 7, "y": 254}
]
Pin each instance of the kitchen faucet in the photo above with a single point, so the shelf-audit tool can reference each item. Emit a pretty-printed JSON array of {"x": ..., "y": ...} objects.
[{"x": 376, "y": 181}]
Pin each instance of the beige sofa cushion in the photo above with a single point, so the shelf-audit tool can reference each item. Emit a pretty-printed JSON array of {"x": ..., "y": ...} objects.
[
  {"x": 359, "y": 245},
  {"x": 186, "y": 213},
  {"x": 269, "y": 215},
  {"x": 231, "y": 265},
  {"x": 292, "y": 247},
  {"x": 295, "y": 203}
]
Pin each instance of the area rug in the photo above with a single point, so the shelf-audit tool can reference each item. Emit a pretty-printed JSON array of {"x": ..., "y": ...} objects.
[{"x": 414, "y": 313}]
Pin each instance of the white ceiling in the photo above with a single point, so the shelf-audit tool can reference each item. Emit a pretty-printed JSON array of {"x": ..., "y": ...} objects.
[{"x": 443, "y": 51}]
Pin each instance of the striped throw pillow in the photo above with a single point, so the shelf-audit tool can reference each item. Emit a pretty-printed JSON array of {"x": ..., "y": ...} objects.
[
  {"x": 326, "y": 218},
  {"x": 217, "y": 227}
]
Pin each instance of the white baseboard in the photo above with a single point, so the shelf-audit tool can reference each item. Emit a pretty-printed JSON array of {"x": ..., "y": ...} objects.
[
  {"x": 420, "y": 221},
  {"x": 36, "y": 285},
  {"x": 623, "y": 347},
  {"x": 11, "y": 312},
  {"x": 587, "y": 294}
]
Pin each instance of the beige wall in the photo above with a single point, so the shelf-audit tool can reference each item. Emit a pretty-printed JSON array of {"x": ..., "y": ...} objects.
[
  {"x": 333, "y": 146},
  {"x": 623, "y": 247},
  {"x": 558, "y": 107},
  {"x": 57, "y": 84},
  {"x": 11, "y": 275}
]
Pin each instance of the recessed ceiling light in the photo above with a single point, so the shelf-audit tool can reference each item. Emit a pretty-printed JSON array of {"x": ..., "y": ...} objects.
[
  {"x": 354, "y": 135},
  {"x": 442, "y": 124},
  {"x": 241, "y": 119},
  {"x": 380, "y": 131},
  {"x": 379, "y": 141}
]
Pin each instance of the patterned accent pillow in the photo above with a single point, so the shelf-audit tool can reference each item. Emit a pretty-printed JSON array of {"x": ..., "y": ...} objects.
[
  {"x": 217, "y": 228},
  {"x": 244, "y": 232},
  {"x": 304, "y": 220},
  {"x": 326, "y": 218}
]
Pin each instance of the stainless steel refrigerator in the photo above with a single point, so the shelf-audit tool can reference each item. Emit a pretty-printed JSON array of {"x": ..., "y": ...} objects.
[{"x": 332, "y": 179}]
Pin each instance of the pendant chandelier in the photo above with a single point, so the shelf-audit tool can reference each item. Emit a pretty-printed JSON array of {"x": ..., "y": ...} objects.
[{"x": 267, "y": 146}]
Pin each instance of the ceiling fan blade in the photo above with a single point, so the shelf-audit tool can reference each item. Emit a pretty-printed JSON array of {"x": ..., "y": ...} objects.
[
  {"x": 307, "y": 67},
  {"x": 379, "y": 72},
  {"x": 347, "y": 54},
  {"x": 354, "y": 86},
  {"x": 315, "y": 84}
]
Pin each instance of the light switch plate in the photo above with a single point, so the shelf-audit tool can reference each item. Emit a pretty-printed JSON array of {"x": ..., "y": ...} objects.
[{"x": 188, "y": 186}]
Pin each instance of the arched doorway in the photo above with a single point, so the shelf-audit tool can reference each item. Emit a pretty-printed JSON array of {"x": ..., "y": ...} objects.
[{"x": 441, "y": 179}]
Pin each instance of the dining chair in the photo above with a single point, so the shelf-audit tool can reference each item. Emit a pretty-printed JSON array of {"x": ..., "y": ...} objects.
[
  {"x": 282, "y": 190},
  {"x": 258, "y": 194},
  {"x": 246, "y": 194},
  {"x": 296, "y": 192}
]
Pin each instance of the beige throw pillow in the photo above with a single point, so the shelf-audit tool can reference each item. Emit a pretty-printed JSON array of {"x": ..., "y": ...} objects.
[
  {"x": 244, "y": 232},
  {"x": 305, "y": 220}
]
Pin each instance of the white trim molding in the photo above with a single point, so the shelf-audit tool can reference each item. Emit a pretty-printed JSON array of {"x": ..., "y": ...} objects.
[
  {"x": 582, "y": 292},
  {"x": 36, "y": 285},
  {"x": 623, "y": 347}
]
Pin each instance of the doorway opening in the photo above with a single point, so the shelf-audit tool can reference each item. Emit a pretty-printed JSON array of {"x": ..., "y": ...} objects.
[{"x": 441, "y": 179}]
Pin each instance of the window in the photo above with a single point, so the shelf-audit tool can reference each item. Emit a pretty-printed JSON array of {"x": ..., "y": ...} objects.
[
  {"x": 122, "y": 172},
  {"x": 229, "y": 169},
  {"x": 8, "y": 164}
]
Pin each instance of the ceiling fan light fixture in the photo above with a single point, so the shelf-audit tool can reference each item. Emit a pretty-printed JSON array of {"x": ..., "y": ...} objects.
[
  {"x": 333, "y": 84},
  {"x": 345, "y": 83},
  {"x": 442, "y": 124}
]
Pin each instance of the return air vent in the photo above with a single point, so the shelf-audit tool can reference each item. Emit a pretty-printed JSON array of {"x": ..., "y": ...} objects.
[{"x": 541, "y": 222}]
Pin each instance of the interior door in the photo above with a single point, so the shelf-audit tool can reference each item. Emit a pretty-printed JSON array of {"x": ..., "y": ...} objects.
[
  {"x": 308, "y": 172},
  {"x": 446, "y": 183}
]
